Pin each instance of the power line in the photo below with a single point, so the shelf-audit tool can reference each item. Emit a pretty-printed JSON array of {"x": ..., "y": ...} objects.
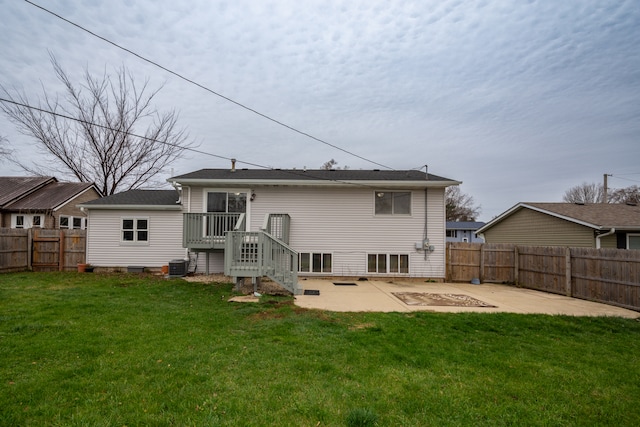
[
  {"x": 226, "y": 98},
  {"x": 288, "y": 171}
]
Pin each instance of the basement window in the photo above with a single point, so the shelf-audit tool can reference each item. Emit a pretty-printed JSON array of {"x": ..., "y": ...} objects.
[
  {"x": 388, "y": 263},
  {"x": 314, "y": 262}
]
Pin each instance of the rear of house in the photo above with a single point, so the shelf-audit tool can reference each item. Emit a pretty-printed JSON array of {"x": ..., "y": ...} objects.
[{"x": 322, "y": 222}]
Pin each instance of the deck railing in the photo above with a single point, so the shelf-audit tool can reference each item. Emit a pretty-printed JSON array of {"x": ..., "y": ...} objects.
[
  {"x": 257, "y": 254},
  {"x": 207, "y": 230},
  {"x": 278, "y": 225}
]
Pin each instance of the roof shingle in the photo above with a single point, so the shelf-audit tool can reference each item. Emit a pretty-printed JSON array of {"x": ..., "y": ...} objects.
[{"x": 138, "y": 198}]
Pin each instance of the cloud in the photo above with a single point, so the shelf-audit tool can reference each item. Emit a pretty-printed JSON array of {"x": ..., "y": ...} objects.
[{"x": 516, "y": 99}]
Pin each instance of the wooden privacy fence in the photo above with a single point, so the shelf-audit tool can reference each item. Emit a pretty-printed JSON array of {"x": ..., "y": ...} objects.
[
  {"x": 41, "y": 250},
  {"x": 611, "y": 276}
]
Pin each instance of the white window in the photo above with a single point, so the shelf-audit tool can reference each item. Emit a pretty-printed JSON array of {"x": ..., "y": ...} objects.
[
  {"x": 392, "y": 202},
  {"x": 388, "y": 263},
  {"x": 452, "y": 233},
  {"x": 314, "y": 262},
  {"x": 72, "y": 222},
  {"x": 135, "y": 230},
  {"x": 633, "y": 241},
  {"x": 26, "y": 221}
]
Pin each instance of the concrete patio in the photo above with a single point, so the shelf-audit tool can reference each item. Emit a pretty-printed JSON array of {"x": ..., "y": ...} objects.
[{"x": 377, "y": 295}]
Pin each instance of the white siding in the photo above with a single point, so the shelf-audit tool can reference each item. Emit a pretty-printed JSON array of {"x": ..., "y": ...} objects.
[
  {"x": 342, "y": 222},
  {"x": 105, "y": 249},
  {"x": 216, "y": 262}
]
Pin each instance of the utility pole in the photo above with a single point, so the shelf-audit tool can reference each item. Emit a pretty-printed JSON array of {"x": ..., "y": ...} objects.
[{"x": 605, "y": 189}]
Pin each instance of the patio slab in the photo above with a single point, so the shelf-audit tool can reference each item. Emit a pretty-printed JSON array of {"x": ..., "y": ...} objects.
[{"x": 377, "y": 295}]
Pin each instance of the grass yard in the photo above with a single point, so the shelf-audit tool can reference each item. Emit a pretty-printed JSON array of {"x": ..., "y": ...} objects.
[{"x": 114, "y": 350}]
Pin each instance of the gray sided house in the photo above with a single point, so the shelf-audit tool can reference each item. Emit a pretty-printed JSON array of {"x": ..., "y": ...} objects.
[
  {"x": 43, "y": 202},
  {"x": 591, "y": 225},
  {"x": 284, "y": 223},
  {"x": 464, "y": 231}
]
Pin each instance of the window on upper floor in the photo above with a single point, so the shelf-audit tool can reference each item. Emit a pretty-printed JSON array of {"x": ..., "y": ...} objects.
[{"x": 392, "y": 202}]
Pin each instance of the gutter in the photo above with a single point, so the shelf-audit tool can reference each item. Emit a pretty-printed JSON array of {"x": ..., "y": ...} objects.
[
  {"x": 599, "y": 236},
  {"x": 317, "y": 183}
]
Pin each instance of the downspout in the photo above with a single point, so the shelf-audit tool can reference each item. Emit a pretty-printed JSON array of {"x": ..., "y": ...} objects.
[
  {"x": 425, "y": 239},
  {"x": 178, "y": 189},
  {"x": 599, "y": 236}
]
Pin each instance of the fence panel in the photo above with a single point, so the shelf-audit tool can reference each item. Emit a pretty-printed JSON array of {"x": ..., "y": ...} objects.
[
  {"x": 41, "y": 249},
  {"x": 463, "y": 261},
  {"x": 611, "y": 276},
  {"x": 543, "y": 268},
  {"x": 607, "y": 275},
  {"x": 498, "y": 263},
  {"x": 14, "y": 252}
]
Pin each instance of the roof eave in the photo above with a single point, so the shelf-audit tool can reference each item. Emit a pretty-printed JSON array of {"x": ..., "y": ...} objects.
[
  {"x": 177, "y": 207},
  {"x": 519, "y": 206},
  {"x": 316, "y": 183}
]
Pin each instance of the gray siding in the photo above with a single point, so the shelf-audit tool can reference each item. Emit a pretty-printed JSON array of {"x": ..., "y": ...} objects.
[
  {"x": 105, "y": 249},
  {"x": 528, "y": 227}
]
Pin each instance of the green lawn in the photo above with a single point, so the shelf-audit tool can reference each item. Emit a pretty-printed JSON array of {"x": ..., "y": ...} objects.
[{"x": 114, "y": 350}]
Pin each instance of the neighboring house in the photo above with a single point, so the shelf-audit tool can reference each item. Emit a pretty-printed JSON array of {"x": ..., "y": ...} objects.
[
  {"x": 464, "y": 231},
  {"x": 591, "y": 225},
  {"x": 27, "y": 202},
  {"x": 314, "y": 222}
]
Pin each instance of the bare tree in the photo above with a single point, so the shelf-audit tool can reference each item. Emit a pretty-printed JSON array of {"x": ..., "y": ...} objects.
[
  {"x": 584, "y": 193},
  {"x": 460, "y": 206},
  {"x": 629, "y": 195},
  {"x": 5, "y": 151},
  {"x": 101, "y": 143},
  {"x": 331, "y": 164}
]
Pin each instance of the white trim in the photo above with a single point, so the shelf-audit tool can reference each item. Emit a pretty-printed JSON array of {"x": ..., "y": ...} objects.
[
  {"x": 134, "y": 230},
  {"x": 317, "y": 183},
  {"x": 388, "y": 256},
  {"x": 311, "y": 253},
  {"x": 63, "y": 204},
  {"x": 132, "y": 207},
  {"x": 246, "y": 191},
  {"x": 27, "y": 220},
  {"x": 519, "y": 206},
  {"x": 631, "y": 235},
  {"x": 70, "y": 222}
]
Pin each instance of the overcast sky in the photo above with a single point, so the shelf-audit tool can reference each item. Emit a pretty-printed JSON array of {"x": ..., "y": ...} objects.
[{"x": 520, "y": 100}]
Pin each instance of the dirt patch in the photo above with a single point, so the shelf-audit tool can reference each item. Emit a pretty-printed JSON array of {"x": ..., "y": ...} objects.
[
  {"x": 265, "y": 287},
  {"x": 450, "y": 300}
]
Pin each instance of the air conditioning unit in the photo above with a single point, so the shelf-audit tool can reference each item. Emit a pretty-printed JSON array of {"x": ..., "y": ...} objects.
[{"x": 178, "y": 267}]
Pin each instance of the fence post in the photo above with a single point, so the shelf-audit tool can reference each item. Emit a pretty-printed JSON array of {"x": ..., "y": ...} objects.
[
  {"x": 448, "y": 266},
  {"x": 30, "y": 249},
  {"x": 516, "y": 265},
  {"x": 567, "y": 273},
  {"x": 481, "y": 273},
  {"x": 61, "y": 252}
]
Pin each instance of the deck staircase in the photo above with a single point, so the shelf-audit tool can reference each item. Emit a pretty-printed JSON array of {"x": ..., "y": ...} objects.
[{"x": 263, "y": 253}]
